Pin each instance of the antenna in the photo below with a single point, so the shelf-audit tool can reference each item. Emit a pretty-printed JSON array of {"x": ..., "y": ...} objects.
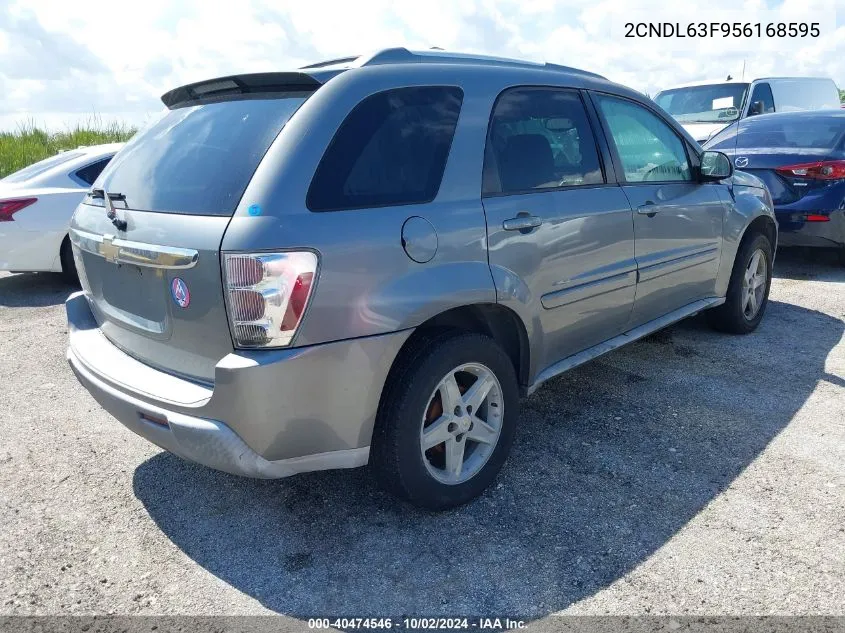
[{"x": 743, "y": 70}]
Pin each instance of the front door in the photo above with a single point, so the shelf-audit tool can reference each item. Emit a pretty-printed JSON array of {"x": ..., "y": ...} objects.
[
  {"x": 677, "y": 220},
  {"x": 560, "y": 235}
]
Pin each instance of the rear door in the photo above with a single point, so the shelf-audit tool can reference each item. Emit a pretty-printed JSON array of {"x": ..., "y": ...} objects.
[
  {"x": 152, "y": 272},
  {"x": 677, "y": 220},
  {"x": 557, "y": 219}
]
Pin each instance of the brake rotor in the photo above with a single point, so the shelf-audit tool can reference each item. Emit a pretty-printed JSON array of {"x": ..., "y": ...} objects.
[{"x": 435, "y": 410}]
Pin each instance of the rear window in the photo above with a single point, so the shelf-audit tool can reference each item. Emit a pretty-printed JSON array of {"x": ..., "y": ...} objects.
[
  {"x": 799, "y": 132},
  {"x": 390, "y": 150},
  {"x": 805, "y": 94},
  {"x": 198, "y": 160},
  {"x": 36, "y": 169},
  {"x": 724, "y": 139}
]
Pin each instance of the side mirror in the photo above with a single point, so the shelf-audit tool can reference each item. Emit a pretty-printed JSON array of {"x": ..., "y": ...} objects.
[
  {"x": 715, "y": 166},
  {"x": 757, "y": 107}
]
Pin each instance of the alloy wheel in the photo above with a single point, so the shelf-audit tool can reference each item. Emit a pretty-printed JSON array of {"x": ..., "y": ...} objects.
[
  {"x": 754, "y": 285},
  {"x": 462, "y": 423}
]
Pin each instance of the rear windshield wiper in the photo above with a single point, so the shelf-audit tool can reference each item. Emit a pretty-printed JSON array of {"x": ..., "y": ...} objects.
[{"x": 107, "y": 197}]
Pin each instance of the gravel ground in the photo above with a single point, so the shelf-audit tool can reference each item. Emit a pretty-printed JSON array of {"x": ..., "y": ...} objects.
[{"x": 689, "y": 473}]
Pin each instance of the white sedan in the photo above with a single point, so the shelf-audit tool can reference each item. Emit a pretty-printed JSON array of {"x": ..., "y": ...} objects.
[{"x": 36, "y": 204}]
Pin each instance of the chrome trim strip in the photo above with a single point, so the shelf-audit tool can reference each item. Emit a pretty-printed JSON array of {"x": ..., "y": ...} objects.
[
  {"x": 654, "y": 271},
  {"x": 589, "y": 290},
  {"x": 120, "y": 251},
  {"x": 154, "y": 327}
]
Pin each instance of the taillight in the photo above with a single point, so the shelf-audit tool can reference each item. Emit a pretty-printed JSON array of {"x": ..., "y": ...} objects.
[
  {"x": 817, "y": 217},
  {"x": 821, "y": 170},
  {"x": 266, "y": 295},
  {"x": 8, "y": 208}
]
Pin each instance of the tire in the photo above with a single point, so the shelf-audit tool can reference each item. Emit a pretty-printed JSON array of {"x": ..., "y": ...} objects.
[
  {"x": 413, "y": 403},
  {"x": 69, "y": 273},
  {"x": 735, "y": 315}
]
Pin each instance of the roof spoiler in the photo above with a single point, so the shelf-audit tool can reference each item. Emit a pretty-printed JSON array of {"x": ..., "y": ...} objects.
[{"x": 235, "y": 85}]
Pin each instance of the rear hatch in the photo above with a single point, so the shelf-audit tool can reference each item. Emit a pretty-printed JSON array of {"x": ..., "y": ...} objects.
[{"x": 152, "y": 270}]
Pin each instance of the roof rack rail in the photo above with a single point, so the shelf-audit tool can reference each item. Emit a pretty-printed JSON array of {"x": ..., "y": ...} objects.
[
  {"x": 331, "y": 62},
  {"x": 402, "y": 55}
]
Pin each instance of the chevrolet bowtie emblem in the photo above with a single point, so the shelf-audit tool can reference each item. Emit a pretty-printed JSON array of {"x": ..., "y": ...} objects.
[{"x": 108, "y": 249}]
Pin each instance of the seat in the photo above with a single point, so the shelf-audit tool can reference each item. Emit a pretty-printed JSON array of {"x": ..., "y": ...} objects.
[{"x": 525, "y": 162}]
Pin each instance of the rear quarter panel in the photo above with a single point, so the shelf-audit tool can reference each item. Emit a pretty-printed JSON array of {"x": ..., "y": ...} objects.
[
  {"x": 367, "y": 283},
  {"x": 32, "y": 241}
]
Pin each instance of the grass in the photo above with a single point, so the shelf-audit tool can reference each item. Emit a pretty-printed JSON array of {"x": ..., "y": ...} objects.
[{"x": 29, "y": 144}]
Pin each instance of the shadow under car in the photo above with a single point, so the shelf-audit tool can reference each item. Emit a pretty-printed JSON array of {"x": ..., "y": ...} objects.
[{"x": 611, "y": 460}]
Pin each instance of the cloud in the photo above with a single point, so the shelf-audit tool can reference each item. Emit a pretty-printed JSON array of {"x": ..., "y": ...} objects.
[
  {"x": 117, "y": 58},
  {"x": 33, "y": 53}
]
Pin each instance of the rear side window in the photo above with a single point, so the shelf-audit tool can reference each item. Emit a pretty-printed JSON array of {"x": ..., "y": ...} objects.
[
  {"x": 198, "y": 160},
  {"x": 390, "y": 150},
  {"x": 90, "y": 173},
  {"x": 539, "y": 138},
  {"x": 763, "y": 93}
]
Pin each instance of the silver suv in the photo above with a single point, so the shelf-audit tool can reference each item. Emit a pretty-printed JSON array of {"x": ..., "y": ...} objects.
[{"x": 370, "y": 260}]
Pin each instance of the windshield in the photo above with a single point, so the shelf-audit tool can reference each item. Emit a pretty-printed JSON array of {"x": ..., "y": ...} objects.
[
  {"x": 28, "y": 173},
  {"x": 198, "y": 160},
  {"x": 717, "y": 103}
]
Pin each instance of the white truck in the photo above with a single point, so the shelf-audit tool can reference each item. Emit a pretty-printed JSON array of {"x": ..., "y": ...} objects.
[{"x": 705, "y": 107}]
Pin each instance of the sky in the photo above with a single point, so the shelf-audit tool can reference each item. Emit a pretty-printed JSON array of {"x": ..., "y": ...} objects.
[{"x": 64, "y": 62}]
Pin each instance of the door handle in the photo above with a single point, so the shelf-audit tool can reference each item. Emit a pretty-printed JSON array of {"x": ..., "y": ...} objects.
[
  {"x": 523, "y": 222},
  {"x": 649, "y": 208}
]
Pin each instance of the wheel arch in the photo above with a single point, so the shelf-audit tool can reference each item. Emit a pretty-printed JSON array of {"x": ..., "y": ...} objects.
[
  {"x": 750, "y": 214},
  {"x": 762, "y": 224},
  {"x": 66, "y": 264},
  {"x": 494, "y": 320}
]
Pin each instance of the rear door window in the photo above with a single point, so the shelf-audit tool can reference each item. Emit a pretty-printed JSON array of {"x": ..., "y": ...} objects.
[
  {"x": 539, "y": 138},
  {"x": 763, "y": 92},
  {"x": 390, "y": 150},
  {"x": 199, "y": 159}
]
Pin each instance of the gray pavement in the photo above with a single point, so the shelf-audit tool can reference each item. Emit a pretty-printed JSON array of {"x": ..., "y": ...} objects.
[{"x": 691, "y": 473}]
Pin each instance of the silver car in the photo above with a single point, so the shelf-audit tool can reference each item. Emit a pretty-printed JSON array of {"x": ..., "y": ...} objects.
[{"x": 370, "y": 260}]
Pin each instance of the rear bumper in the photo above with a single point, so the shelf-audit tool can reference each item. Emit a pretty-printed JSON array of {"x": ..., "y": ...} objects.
[
  {"x": 269, "y": 414},
  {"x": 814, "y": 234}
]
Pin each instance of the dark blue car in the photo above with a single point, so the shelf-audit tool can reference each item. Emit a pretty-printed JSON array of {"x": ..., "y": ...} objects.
[{"x": 801, "y": 158}]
